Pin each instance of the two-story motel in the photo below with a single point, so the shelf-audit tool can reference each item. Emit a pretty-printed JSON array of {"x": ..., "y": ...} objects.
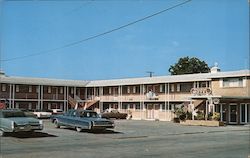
[{"x": 146, "y": 98}]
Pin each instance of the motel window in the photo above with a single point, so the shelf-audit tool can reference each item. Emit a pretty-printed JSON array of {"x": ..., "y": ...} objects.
[
  {"x": 110, "y": 90},
  {"x": 131, "y": 106},
  {"x": 134, "y": 89},
  {"x": 17, "y": 105},
  {"x": 124, "y": 106},
  {"x": 17, "y": 88},
  {"x": 232, "y": 82},
  {"x": 30, "y": 89},
  {"x": 30, "y": 106},
  {"x": 128, "y": 89},
  {"x": 61, "y": 90},
  {"x": 49, "y": 89},
  {"x": 3, "y": 87},
  {"x": 178, "y": 88},
  {"x": 162, "y": 107},
  {"x": 162, "y": 88},
  {"x": 172, "y": 88},
  {"x": 203, "y": 84},
  {"x": 186, "y": 87},
  {"x": 137, "y": 106}
]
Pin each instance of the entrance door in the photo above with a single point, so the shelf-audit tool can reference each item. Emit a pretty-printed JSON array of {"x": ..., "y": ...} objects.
[
  {"x": 150, "y": 111},
  {"x": 233, "y": 113},
  {"x": 156, "y": 111},
  {"x": 244, "y": 113}
]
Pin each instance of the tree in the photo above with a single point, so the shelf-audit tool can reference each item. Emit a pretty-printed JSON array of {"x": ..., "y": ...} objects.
[{"x": 188, "y": 65}]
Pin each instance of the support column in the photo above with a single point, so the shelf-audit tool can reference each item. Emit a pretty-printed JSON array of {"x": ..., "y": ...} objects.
[
  {"x": 121, "y": 96},
  {"x": 86, "y": 93},
  {"x": 74, "y": 93},
  {"x": 165, "y": 100},
  {"x": 170, "y": 113},
  {"x": 41, "y": 106},
  {"x": 67, "y": 97},
  {"x": 221, "y": 112},
  {"x": 64, "y": 98},
  {"x": 38, "y": 91},
  {"x": 10, "y": 96},
  {"x": 13, "y": 96}
]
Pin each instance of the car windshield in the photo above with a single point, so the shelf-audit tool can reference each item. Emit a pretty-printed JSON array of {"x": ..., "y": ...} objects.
[
  {"x": 89, "y": 114},
  {"x": 13, "y": 114}
]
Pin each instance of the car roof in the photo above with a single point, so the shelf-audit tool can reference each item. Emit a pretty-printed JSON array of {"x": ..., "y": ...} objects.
[
  {"x": 9, "y": 110},
  {"x": 81, "y": 110}
]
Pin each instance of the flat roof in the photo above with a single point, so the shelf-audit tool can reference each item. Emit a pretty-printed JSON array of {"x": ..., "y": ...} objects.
[
  {"x": 125, "y": 81},
  {"x": 43, "y": 81}
]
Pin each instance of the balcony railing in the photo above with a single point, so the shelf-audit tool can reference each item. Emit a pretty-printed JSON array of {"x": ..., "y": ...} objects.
[
  {"x": 53, "y": 96},
  {"x": 26, "y": 96},
  {"x": 4, "y": 95}
]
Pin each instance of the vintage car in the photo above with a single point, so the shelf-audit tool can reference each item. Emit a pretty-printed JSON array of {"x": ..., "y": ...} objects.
[
  {"x": 12, "y": 120},
  {"x": 55, "y": 111},
  {"x": 113, "y": 113},
  {"x": 42, "y": 114},
  {"x": 82, "y": 119},
  {"x": 29, "y": 113}
]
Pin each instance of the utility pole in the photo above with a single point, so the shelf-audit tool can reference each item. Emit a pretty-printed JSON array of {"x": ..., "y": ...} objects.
[{"x": 150, "y": 73}]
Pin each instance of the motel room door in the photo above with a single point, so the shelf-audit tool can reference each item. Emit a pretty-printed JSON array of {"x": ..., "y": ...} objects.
[
  {"x": 233, "y": 114},
  {"x": 150, "y": 111},
  {"x": 244, "y": 113},
  {"x": 153, "y": 111}
]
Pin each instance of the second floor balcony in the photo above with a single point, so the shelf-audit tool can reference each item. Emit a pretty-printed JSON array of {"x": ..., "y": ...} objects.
[
  {"x": 53, "y": 96},
  {"x": 26, "y": 96}
]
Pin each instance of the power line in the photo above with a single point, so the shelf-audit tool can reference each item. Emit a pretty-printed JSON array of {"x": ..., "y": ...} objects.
[{"x": 95, "y": 36}]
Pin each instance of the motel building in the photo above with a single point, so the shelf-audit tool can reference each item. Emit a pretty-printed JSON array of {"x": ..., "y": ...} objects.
[{"x": 146, "y": 98}]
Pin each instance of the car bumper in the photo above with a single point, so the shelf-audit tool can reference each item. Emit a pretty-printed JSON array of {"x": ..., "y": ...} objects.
[
  {"x": 96, "y": 127},
  {"x": 24, "y": 128}
]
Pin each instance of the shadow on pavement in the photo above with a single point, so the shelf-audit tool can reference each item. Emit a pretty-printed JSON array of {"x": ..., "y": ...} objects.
[
  {"x": 105, "y": 132},
  {"x": 29, "y": 135},
  {"x": 96, "y": 131}
]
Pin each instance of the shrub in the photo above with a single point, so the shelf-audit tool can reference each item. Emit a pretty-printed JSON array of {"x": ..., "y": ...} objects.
[
  {"x": 216, "y": 116},
  {"x": 200, "y": 116}
]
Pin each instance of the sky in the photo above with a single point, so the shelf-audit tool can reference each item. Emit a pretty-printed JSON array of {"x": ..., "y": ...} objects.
[{"x": 211, "y": 30}]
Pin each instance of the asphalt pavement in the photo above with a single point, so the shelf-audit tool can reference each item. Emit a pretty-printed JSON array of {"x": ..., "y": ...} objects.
[{"x": 131, "y": 139}]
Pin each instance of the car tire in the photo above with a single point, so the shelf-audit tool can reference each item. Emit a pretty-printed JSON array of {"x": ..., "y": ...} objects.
[
  {"x": 56, "y": 124},
  {"x": 78, "y": 129}
]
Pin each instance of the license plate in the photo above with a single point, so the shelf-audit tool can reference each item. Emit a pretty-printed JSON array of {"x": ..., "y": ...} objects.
[{"x": 21, "y": 127}]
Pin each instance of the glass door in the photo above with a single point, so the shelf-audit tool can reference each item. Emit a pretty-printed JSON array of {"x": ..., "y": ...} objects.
[
  {"x": 233, "y": 113},
  {"x": 243, "y": 110}
]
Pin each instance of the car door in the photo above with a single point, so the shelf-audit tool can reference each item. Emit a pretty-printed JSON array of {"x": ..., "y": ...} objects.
[{"x": 65, "y": 118}]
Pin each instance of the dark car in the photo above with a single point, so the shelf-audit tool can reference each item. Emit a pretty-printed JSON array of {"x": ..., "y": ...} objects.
[
  {"x": 82, "y": 119},
  {"x": 113, "y": 113},
  {"x": 13, "y": 120}
]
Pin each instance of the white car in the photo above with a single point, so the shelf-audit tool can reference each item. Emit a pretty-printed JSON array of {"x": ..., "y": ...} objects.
[
  {"x": 56, "y": 111},
  {"x": 42, "y": 114}
]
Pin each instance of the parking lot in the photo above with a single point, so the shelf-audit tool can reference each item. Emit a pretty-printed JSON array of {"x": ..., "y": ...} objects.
[{"x": 131, "y": 139}]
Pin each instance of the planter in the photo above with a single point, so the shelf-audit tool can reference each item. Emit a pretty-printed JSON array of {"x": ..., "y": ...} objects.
[
  {"x": 176, "y": 120},
  {"x": 202, "y": 123}
]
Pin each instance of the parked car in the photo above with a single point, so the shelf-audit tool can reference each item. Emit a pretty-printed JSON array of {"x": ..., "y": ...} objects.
[
  {"x": 29, "y": 113},
  {"x": 56, "y": 111},
  {"x": 113, "y": 113},
  {"x": 82, "y": 119},
  {"x": 13, "y": 120},
  {"x": 42, "y": 114}
]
